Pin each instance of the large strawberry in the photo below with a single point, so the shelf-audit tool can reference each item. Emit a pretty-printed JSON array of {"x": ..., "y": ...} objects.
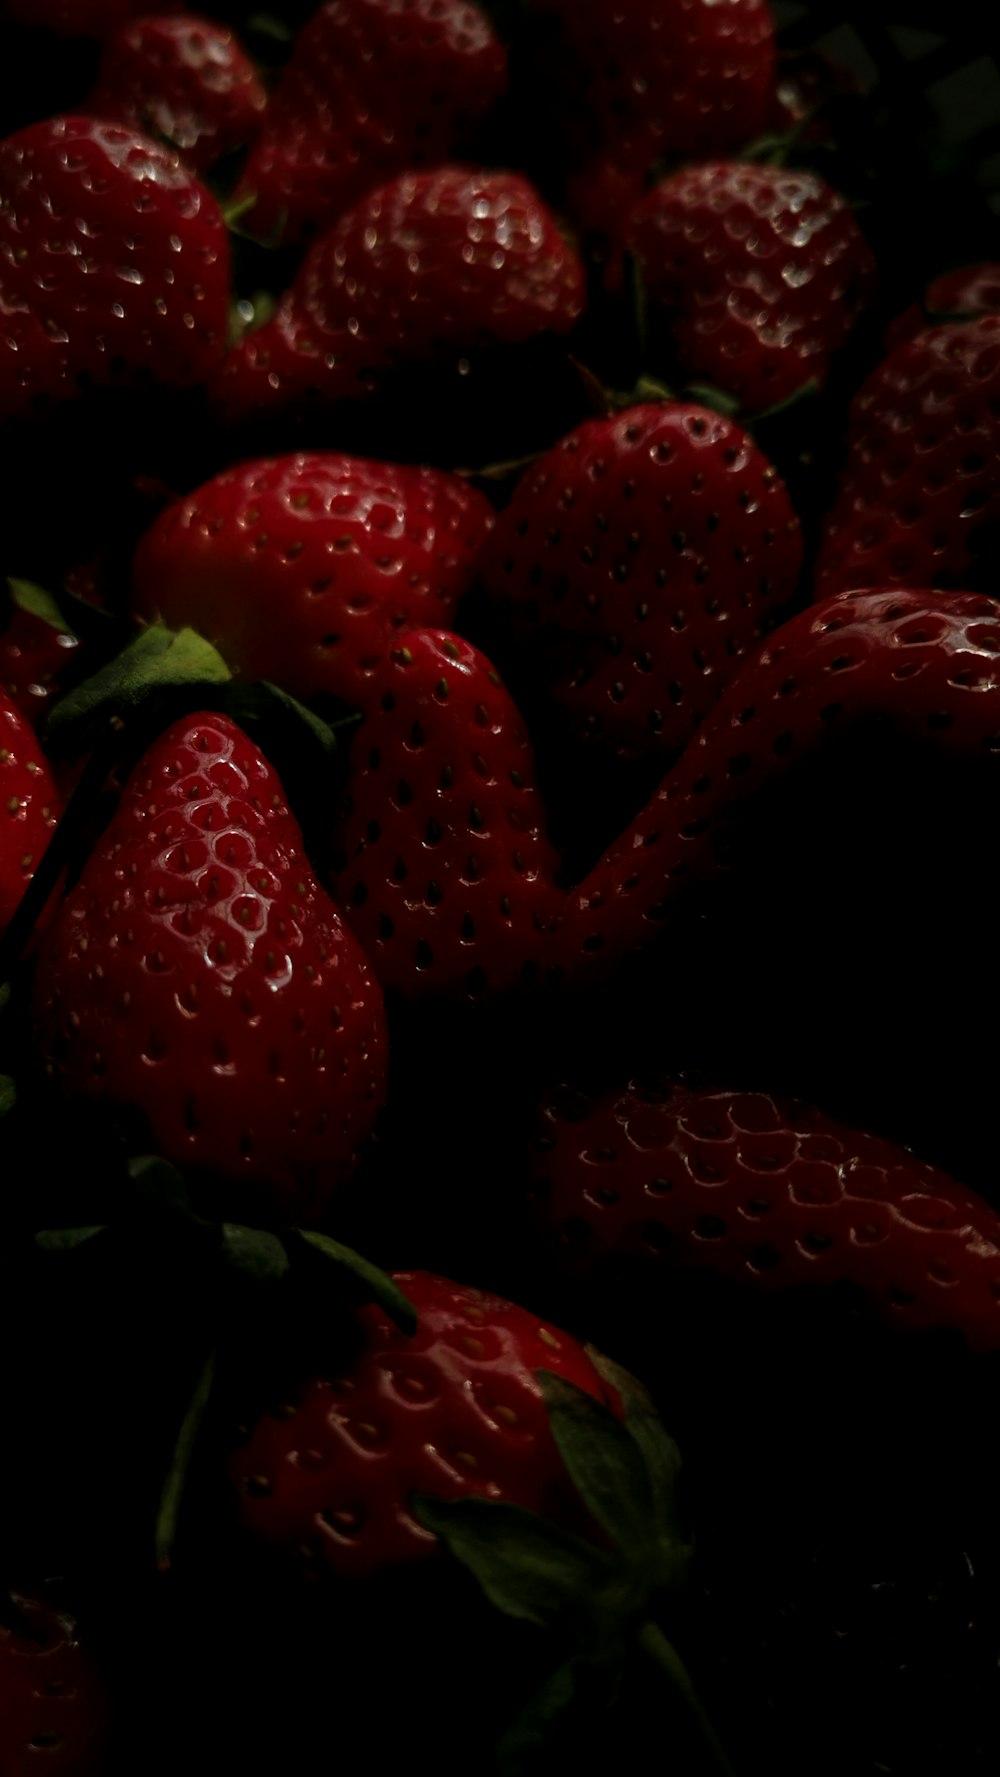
[
  {"x": 760, "y": 272},
  {"x": 371, "y": 89},
  {"x": 640, "y": 559},
  {"x": 198, "y": 973},
  {"x": 922, "y": 475},
  {"x": 446, "y": 874},
  {"x": 306, "y": 570},
  {"x": 54, "y": 1712},
  {"x": 763, "y": 1191},
  {"x": 423, "y": 271},
  {"x": 186, "y": 81},
  {"x": 114, "y": 262},
  {"x": 30, "y": 805}
]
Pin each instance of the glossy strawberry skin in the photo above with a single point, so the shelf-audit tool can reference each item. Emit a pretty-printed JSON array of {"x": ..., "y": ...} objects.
[
  {"x": 964, "y": 294},
  {"x": 33, "y": 654},
  {"x": 184, "y": 80},
  {"x": 55, "y": 1714},
  {"x": 426, "y": 268},
  {"x": 306, "y": 570},
  {"x": 371, "y": 90},
  {"x": 766, "y": 1192},
  {"x": 761, "y": 274},
  {"x": 455, "y": 1411},
  {"x": 448, "y": 878},
  {"x": 90, "y": 214},
  {"x": 639, "y": 560},
  {"x": 922, "y": 666},
  {"x": 921, "y": 474},
  {"x": 30, "y": 806},
  {"x": 198, "y": 972}
]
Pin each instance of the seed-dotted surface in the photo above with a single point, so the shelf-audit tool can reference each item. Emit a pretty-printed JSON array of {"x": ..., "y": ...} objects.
[{"x": 30, "y": 806}]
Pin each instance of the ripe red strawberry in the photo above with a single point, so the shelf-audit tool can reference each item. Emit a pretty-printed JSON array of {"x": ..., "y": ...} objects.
[
  {"x": 198, "y": 972},
  {"x": 447, "y": 878},
  {"x": 762, "y": 1191},
  {"x": 761, "y": 274},
  {"x": 114, "y": 258},
  {"x": 373, "y": 87},
  {"x": 912, "y": 664},
  {"x": 959, "y": 295},
  {"x": 454, "y": 1411},
  {"x": 186, "y": 81},
  {"x": 640, "y": 559},
  {"x": 30, "y": 806},
  {"x": 307, "y": 569},
  {"x": 54, "y": 1713},
  {"x": 922, "y": 474},
  {"x": 33, "y": 653},
  {"x": 425, "y": 270}
]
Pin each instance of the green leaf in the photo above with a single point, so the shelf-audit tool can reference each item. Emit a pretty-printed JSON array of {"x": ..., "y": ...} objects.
[
  {"x": 536, "y": 1726},
  {"x": 606, "y": 1466},
  {"x": 527, "y": 1567},
  {"x": 286, "y": 721},
  {"x": 172, "y": 1497},
  {"x": 651, "y": 1642},
  {"x": 66, "y": 1240},
  {"x": 376, "y": 1285},
  {"x": 254, "y": 1252},
  {"x": 157, "y": 661},
  {"x": 707, "y": 395},
  {"x": 40, "y": 603},
  {"x": 8, "y": 1094},
  {"x": 660, "y": 1455},
  {"x": 234, "y": 211},
  {"x": 159, "y": 1184}
]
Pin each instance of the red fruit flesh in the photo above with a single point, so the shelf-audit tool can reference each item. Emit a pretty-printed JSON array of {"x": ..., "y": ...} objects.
[
  {"x": 306, "y": 570},
  {"x": 447, "y": 878},
  {"x": 923, "y": 465},
  {"x": 761, "y": 273},
  {"x": 768, "y": 1192},
  {"x": 30, "y": 806},
  {"x": 640, "y": 559},
  {"x": 373, "y": 88},
  {"x": 54, "y": 1714},
  {"x": 431, "y": 266},
  {"x": 454, "y": 1412},
  {"x": 926, "y": 666},
  {"x": 185, "y": 80},
  {"x": 198, "y": 972}
]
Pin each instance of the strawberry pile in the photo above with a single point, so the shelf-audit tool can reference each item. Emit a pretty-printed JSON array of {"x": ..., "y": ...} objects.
[{"x": 499, "y": 748}]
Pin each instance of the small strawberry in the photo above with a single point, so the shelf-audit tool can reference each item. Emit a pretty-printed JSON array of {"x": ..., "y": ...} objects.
[
  {"x": 198, "y": 972},
  {"x": 640, "y": 559},
  {"x": 30, "y": 806},
  {"x": 373, "y": 87},
  {"x": 425, "y": 270},
  {"x": 33, "y": 654},
  {"x": 763, "y": 1191},
  {"x": 447, "y": 876},
  {"x": 184, "y": 81},
  {"x": 960, "y": 295},
  {"x": 113, "y": 255},
  {"x": 306, "y": 570},
  {"x": 760, "y": 272},
  {"x": 922, "y": 475},
  {"x": 54, "y": 1713}
]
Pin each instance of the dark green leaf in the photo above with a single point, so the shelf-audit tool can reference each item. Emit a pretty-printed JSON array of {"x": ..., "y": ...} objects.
[
  {"x": 660, "y": 1455},
  {"x": 265, "y": 706},
  {"x": 65, "y": 1240},
  {"x": 537, "y": 1725},
  {"x": 376, "y": 1285},
  {"x": 158, "y": 660},
  {"x": 528, "y": 1567},
  {"x": 8, "y": 1094},
  {"x": 39, "y": 602},
  {"x": 254, "y": 1252},
  {"x": 707, "y": 395},
  {"x": 606, "y": 1466},
  {"x": 653, "y": 1644},
  {"x": 158, "y": 1183},
  {"x": 172, "y": 1497}
]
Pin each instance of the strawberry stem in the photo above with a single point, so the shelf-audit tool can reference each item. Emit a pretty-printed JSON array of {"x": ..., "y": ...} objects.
[
  {"x": 653, "y": 1644},
  {"x": 172, "y": 1497}
]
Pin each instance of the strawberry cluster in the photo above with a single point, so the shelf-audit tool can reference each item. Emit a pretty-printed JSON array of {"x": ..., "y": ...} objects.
[{"x": 499, "y": 734}]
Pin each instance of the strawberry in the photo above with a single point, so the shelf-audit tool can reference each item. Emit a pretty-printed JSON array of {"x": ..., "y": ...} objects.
[
  {"x": 83, "y": 18},
  {"x": 53, "y": 1708},
  {"x": 30, "y": 804},
  {"x": 921, "y": 478},
  {"x": 761, "y": 274},
  {"x": 373, "y": 87},
  {"x": 446, "y": 875},
  {"x": 763, "y": 1191},
  {"x": 307, "y": 569},
  {"x": 959, "y": 295},
  {"x": 33, "y": 654},
  {"x": 197, "y": 971},
  {"x": 641, "y": 558},
  {"x": 114, "y": 258},
  {"x": 454, "y": 1412},
  {"x": 425, "y": 270},
  {"x": 184, "y": 81}
]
